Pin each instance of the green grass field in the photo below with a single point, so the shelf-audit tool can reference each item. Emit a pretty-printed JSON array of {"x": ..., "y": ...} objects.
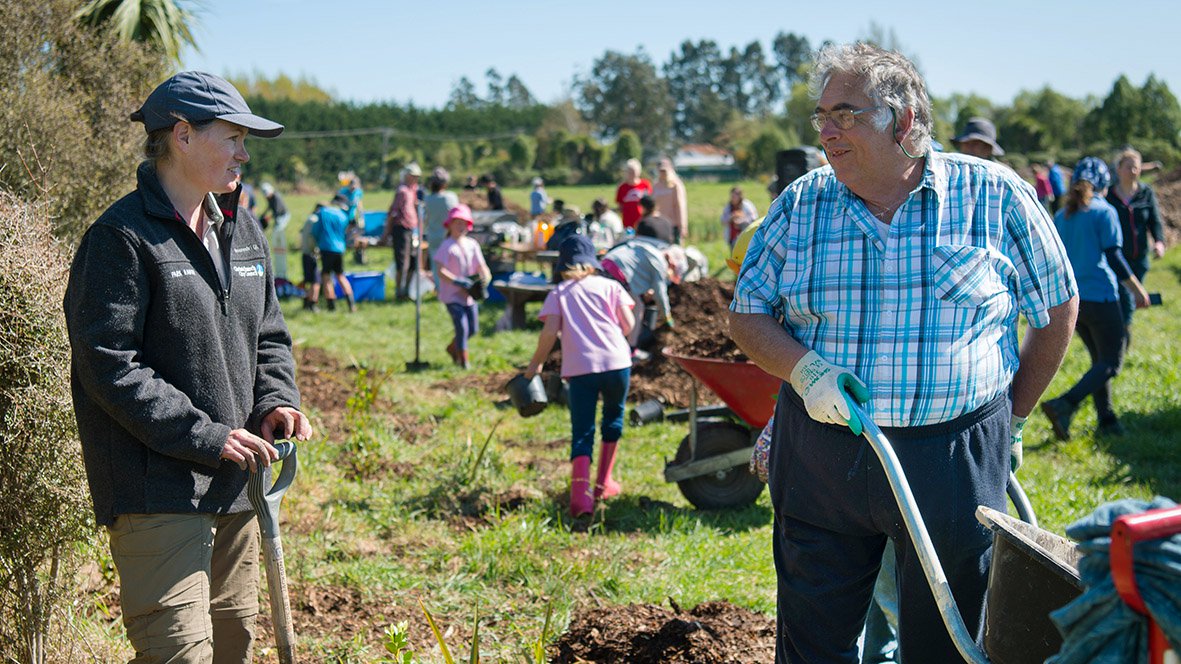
[{"x": 402, "y": 503}]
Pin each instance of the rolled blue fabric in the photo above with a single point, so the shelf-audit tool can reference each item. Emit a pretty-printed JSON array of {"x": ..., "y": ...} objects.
[{"x": 1098, "y": 627}]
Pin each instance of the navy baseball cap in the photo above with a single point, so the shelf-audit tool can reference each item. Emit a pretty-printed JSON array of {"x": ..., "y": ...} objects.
[
  {"x": 197, "y": 97},
  {"x": 576, "y": 250}
]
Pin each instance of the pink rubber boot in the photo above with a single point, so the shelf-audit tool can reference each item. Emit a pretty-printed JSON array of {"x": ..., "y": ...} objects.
[
  {"x": 581, "y": 500},
  {"x": 605, "y": 486}
]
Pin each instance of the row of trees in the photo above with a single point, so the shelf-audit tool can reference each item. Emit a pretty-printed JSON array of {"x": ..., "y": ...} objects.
[
  {"x": 752, "y": 105},
  {"x": 747, "y": 99},
  {"x": 696, "y": 94},
  {"x": 512, "y": 143}
]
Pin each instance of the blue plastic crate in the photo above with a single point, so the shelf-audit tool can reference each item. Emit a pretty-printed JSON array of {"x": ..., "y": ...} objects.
[
  {"x": 367, "y": 286},
  {"x": 374, "y": 223}
]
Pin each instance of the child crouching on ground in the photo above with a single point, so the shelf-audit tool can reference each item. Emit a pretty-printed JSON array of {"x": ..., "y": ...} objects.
[
  {"x": 462, "y": 272},
  {"x": 593, "y": 316}
]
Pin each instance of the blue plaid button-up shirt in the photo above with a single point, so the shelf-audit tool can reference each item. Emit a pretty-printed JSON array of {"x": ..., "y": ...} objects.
[{"x": 927, "y": 315}]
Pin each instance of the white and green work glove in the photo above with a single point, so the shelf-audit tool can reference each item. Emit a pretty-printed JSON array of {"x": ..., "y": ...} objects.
[
  {"x": 827, "y": 391},
  {"x": 1016, "y": 425}
]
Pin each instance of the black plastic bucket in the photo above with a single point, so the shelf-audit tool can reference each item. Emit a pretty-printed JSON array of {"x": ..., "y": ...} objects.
[
  {"x": 1033, "y": 573},
  {"x": 528, "y": 396},
  {"x": 556, "y": 389},
  {"x": 646, "y": 412}
]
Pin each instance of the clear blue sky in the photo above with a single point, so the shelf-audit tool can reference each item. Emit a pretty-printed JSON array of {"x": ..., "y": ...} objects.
[{"x": 366, "y": 50}]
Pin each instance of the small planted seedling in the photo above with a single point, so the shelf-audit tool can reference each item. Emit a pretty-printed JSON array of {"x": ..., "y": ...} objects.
[
  {"x": 397, "y": 644},
  {"x": 471, "y": 476},
  {"x": 534, "y": 653}
]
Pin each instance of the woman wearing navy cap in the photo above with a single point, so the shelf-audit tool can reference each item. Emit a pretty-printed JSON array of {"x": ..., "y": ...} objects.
[
  {"x": 182, "y": 376},
  {"x": 1090, "y": 231}
]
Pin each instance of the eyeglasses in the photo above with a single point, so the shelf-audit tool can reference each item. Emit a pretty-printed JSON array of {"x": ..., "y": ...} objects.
[{"x": 843, "y": 118}]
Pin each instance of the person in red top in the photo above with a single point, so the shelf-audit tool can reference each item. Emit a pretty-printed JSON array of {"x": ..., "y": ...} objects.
[
  {"x": 630, "y": 192},
  {"x": 401, "y": 223}
]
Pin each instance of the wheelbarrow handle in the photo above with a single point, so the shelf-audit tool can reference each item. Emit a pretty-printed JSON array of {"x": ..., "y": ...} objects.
[
  {"x": 1020, "y": 501},
  {"x": 940, "y": 588}
]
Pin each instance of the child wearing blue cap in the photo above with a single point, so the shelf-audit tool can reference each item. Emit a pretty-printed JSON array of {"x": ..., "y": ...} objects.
[{"x": 592, "y": 314}]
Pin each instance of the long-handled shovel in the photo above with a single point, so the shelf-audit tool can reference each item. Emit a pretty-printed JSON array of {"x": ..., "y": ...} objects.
[
  {"x": 266, "y": 498},
  {"x": 417, "y": 364}
]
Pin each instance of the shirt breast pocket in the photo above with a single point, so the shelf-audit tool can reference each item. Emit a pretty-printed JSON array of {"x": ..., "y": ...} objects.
[{"x": 966, "y": 276}]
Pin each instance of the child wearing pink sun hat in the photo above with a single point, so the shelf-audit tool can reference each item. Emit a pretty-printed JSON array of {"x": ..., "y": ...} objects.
[{"x": 462, "y": 274}]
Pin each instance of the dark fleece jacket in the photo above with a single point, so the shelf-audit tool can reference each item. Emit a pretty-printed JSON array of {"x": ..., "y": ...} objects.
[{"x": 166, "y": 361}]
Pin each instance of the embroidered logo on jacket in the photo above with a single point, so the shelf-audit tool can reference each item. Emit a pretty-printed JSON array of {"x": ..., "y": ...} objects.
[{"x": 256, "y": 270}]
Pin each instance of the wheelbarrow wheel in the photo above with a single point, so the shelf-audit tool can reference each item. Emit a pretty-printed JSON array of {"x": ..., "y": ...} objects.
[{"x": 726, "y": 489}]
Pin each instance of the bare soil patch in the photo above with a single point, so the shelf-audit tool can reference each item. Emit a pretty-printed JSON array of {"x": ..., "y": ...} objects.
[
  {"x": 710, "y": 633},
  {"x": 493, "y": 383},
  {"x": 327, "y": 385},
  {"x": 340, "y": 613}
]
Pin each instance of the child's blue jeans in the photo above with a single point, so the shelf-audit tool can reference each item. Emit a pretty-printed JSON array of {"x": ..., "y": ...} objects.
[
  {"x": 465, "y": 319},
  {"x": 584, "y": 396}
]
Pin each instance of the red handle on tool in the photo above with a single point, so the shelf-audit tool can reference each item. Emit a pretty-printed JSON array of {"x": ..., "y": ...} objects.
[{"x": 1125, "y": 532}]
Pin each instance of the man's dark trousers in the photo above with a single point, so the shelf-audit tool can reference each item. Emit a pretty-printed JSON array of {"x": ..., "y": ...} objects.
[{"x": 835, "y": 513}]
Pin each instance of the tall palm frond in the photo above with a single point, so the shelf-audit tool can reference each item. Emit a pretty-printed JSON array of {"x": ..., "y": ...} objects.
[{"x": 163, "y": 24}]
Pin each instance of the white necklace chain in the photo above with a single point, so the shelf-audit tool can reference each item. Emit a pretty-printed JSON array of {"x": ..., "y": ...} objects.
[{"x": 885, "y": 210}]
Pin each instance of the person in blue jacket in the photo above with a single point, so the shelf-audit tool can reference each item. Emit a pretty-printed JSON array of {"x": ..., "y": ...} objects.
[
  {"x": 356, "y": 215},
  {"x": 330, "y": 232},
  {"x": 538, "y": 199},
  {"x": 1090, "y": 231},
  {"x": 1057, "y": 185}
]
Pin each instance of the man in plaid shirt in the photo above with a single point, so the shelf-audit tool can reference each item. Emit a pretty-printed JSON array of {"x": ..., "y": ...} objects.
[{"x": 894, "y": 277}]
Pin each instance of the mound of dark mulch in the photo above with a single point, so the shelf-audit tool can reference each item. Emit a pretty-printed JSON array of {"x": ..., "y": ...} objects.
[
  {"x": 1168, "y": 199},
  {"x": 702, "y": 322},
  {"x": 711, "y": 633}
]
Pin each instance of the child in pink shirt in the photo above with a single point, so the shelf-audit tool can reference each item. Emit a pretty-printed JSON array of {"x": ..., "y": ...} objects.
[
  {"x": 461, "y": 266},
  {"x": 593, "y": 315}
]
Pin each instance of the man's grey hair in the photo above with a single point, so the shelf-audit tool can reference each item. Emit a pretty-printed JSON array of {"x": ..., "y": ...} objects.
[{"x": 890, "y": 79}]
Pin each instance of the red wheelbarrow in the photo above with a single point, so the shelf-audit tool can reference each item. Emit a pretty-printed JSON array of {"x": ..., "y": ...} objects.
[{"x": 711, "y": 465}]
